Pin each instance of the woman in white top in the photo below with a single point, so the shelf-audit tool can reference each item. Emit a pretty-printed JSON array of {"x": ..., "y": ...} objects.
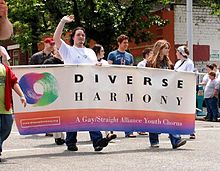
[
  {"x": 184, "y": 63},
  {"x": 99, "y": 51},
  {"x": 146, "y": 52}
]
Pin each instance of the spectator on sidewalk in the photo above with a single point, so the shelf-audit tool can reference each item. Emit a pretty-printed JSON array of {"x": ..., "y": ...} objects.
[{"x": 211, "y": 97}]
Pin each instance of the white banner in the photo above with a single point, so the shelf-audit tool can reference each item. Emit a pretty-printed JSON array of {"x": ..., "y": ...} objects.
[{"x": 142, "y": 95}]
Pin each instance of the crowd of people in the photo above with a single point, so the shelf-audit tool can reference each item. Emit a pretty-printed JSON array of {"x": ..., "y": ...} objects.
[{"x": 57, "y": 51}]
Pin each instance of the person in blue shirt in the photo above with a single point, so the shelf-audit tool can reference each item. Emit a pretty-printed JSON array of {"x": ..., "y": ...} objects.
[{"x": 121, "y": 57}]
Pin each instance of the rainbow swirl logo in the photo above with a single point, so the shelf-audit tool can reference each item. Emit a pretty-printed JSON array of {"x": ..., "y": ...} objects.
[{"x": 32, "y": 82}]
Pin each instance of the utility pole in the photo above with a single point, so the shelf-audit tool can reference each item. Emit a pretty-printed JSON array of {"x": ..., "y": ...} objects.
[{"x": 189, "y": 20}]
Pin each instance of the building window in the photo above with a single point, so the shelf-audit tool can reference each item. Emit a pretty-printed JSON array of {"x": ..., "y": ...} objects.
[{"x": 15, "y": 57}]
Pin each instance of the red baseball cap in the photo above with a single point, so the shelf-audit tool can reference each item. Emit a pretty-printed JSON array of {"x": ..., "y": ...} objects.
[{"x": 49, "y": 40}]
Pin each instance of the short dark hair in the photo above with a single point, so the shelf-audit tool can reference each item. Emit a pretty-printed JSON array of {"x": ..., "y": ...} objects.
[
  {"x": 121, "y": 38},
  {"x": 212, "y": 73},
  {"x": 146, "y": 51},
  {"x": 97, "y": 48},
  {"x": 73, "y": 34}
]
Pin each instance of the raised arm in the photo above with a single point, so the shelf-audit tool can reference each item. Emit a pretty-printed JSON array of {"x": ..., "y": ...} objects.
[
  {"x": 58, "y": 32},
  {"x": 6, "y": 28}
]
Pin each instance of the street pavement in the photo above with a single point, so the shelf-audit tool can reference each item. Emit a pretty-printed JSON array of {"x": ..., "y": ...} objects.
[{"x": 40, "y": 153}]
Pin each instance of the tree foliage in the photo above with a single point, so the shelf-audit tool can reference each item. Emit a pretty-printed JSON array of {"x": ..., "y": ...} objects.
[{"x": 103, "y": 20}]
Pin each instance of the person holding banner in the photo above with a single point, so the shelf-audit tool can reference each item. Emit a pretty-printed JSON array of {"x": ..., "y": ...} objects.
[
  {"x": 145, "y": 53},
  {"x": 8, "y": 81},
  {"x": 77, "y": 53},
  {"x": 184, "y": 64},
  {"x": 6, "y": 28},
  {"x": 121, "y": 57},
  {"x": 39, "y": 57},
  {"x": 99, "y": 51},
  {"x": 160, "y": 59},
  {"x": 56, "y": 59}
]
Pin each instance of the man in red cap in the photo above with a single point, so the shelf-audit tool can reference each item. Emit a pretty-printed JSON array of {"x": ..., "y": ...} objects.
[
  {"x": 39, "y": 57},
  {"x": 6, "y": 28}
]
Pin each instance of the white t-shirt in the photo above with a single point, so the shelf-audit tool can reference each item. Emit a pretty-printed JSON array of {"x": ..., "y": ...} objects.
[
  {"x": 74, "y": 55},
  {"x": 3, "y": 52},
  {"x": 142, "y": 63},
  {"x": 104, "y": 62},
  {"x": 186, "y": 66}
]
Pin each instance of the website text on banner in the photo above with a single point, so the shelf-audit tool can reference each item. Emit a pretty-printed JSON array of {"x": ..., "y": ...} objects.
[{"x": 82, "y": 98}]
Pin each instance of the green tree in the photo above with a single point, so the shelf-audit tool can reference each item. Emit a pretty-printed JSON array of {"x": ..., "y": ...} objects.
[{"x": 103, "y": 20}]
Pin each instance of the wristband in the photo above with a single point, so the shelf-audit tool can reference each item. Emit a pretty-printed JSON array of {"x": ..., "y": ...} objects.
[{"x": 22, "y": 98}]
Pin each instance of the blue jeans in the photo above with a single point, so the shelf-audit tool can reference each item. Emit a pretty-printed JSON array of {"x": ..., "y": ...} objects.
[
  {"x": 6, "y": 122},
  {"x": 154, "y": 138},
  {"x": 71, "y": 137},
  {"x": 212, "y": 108}
]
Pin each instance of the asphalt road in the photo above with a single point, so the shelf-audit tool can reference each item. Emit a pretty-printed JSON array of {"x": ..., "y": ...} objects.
[{"x": 40, "y": 153}]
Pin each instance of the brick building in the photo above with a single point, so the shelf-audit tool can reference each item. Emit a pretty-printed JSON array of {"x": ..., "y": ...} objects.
[{"x": 206, "y": 34}]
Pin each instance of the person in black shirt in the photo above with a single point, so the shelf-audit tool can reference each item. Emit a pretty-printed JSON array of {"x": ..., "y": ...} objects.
[
  {"x": 39, "y": 57},
  {"x": 56, "y": 59}
]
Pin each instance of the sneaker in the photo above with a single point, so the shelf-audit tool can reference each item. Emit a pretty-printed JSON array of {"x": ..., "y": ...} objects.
[
  {"x": 72, "y": 148},
  {"x": 192, "y": 136},
  {"x": 180, "y": 143},
  {"x": 155, "y": 145},
  {"x": 59, "y": 141},
  {"x": 142, "y": 133},
  {"x": 98, "y": 148},
  {"x": 100, "y": 144},
  {"x": 111, "y": 136}
]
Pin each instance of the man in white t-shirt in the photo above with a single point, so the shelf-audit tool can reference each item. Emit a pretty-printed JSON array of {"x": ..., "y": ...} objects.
[
  {"x": 77, "y": 53},
  {"x": 4, "y": 56}
]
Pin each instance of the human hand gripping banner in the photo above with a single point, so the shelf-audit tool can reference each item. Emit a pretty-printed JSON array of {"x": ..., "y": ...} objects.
[{"x": 92, "y": 98}]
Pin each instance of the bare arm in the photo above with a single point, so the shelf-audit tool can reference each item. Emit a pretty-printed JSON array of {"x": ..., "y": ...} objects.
[
  {"x": 6, "y": 28},
  {"x": 19, "y": 92},
  {"x": 5, "y": 61},
  {"x": 58, "y": 32}
]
